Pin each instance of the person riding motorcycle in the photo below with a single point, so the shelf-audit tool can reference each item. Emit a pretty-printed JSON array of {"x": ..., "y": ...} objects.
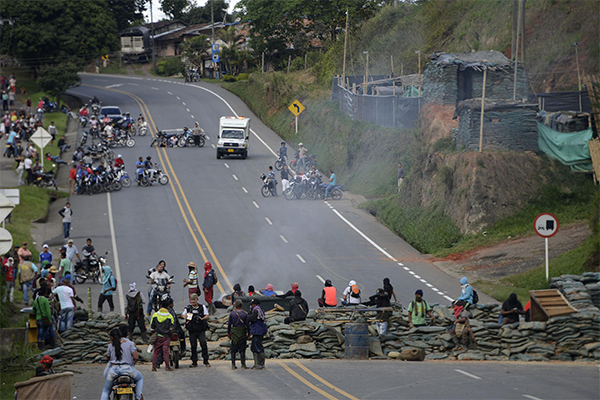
[
  {"x": 148, "y": 166},
  {"x": 95, "y": 100},
  {"x": 127, "y": 121},
  {"x": 119, "y": 163},
  {"x": 160, "y": 281},
  {"x": 139, "y": 170},
  {"x": 88, "y": 250},
  {"x": 283, "y": 153}
]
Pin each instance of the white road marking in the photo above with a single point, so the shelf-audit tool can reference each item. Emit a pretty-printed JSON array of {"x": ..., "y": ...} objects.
[
  {"x": 284, "y": 239},
  {"x": 406, "y": 268},
  {"x": 155, "y": 88},
  {"x": 178, "y": 98},
  {"x": 417, "y": 276},
  {"x": 411, "y": 272},
  {"x": 269, "y": 221},
  {"x": 188, "y": 110},
  {"x": 226, "y": 166},
  {"x": 300, "y": 258},
  {"x": 447, "y": 298},
  {"x": 467, "y": 374},
  {"x": 244, "y": 189},
  {"x": 193, "y": 116},
  {"x": 112, "y": 86},
  {"x": 183, "y": 102},
  {"x": 428, "y": 285},
  {"x": 213, "y": 146},
  {"x": 435, "y": 289},
  {"x": 424, "y": 281},
  {"x": 255, "y": 205},
  {"x": 319, "y": 277},
  {"x": 113, "y": 239},
  {"x": 235, "y": 177},
  {"x": 170, "y": 93},
  {"x": 394, "y": 260},
  {"x": 400, "y": 264},
  {"x": 531, "y": 397}
]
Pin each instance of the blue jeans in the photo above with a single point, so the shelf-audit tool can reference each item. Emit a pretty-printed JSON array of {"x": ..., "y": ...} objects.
[
  {"x": 327, "y": 189},
  {"x": 66, "y": 319},
  {"x": 26, "y": 287},
  {"x": 66, "y": 229},
  {"x": 150, "y": 297},
  {"x": 44, "y": 332},
  {"x": 117, "y": 370}
]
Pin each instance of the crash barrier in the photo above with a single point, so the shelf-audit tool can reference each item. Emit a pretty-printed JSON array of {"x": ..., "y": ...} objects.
[
  {"x": 49, "y": 387},
  {"x": 565, "y": 338},
  {"x": 357, "y": 341}
]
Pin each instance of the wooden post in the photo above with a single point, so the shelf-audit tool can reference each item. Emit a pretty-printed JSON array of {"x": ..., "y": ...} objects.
[
  {"x": 523, "y": 32},
  {"x": 419, "y": 73},
  {"x": 516, "y": 65},
  {"x": 393, "y": 77},
  {"x": 289, "y": 62},
  {"x": 366, "y": 91},
  {"x": 515, "y": 12},
  {"x": 482, "y": 110},
  {"x": 262, "y": 67},
  {"x": 345, "y": 45},
  {"x": 305, "y": 60},
  {"x": 578, "y": 77}
]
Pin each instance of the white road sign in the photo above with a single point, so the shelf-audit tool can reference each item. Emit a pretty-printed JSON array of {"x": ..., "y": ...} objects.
[
  {"x": 6, "y": 207},
  {"x": 41, "y": 138}
]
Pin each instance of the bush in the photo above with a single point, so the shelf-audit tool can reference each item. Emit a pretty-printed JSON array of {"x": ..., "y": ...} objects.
[
  {"x": 242, "y": 77},
  {"x": 170, "y": 66},
  {"x": 228, "y": 78}
]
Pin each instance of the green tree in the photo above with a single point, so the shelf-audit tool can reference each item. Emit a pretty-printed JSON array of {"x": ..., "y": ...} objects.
[
  {"x": 193, "y": 49},
  {"x": 126, "y": 12},
  {"x": 57, "y": 31},
  {"x": 55, "y": 80},
  {"x": 174, "y": 8},
  {"x": 202, "y": 15}
]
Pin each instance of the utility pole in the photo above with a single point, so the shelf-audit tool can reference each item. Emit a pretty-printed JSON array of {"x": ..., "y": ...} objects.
[
  {"x": 393, "y": 77},
  {"x": 517, "y": 54},
  {"x": 366, "y": 90},
  {"x": 515, "y": 12},
  {"x": 578, "y": 75},
  {"x": 523, "y": 32},
  {"x": 345, "y": 45},
  {"x": 153, "y": 44},
  {"x": 419, "y": 51}
]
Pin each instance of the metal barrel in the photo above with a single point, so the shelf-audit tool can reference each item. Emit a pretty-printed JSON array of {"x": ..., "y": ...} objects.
[{"x": 357, "y": 335}]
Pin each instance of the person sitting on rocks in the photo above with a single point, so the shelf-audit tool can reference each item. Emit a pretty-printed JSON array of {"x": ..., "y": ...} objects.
[
  {"x": 291, "y": 292},
  {"x": 461, "y": 325},
  {"x": 351, "y": 294},
  {"x": 417, "y": 309},
  {"x": 328, "y": 295},
  {"x": 466, "y": 292},
  {"x": 298, "y": 309},
  {"x": 511, "y": 308},
  {"x": 252, "y": 292},
  {"x": 268, "y": 291}
]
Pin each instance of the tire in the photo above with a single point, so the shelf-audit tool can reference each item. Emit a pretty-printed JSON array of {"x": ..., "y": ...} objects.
[
  {"x": 130, "y": 143},
  {"x": 126, "y": 181},
  {"x": 336, "y": 194},
  {"x": 145, "y": 181},
  {"x": 153, "y": 142},
  {"x": 218, "y": 156},
  {"x": 181, "y": 142},
  {"x": 293, "y": 165},
  {"x": 311, "y": 194},
  {"x": 78, "y": 276},
  {"x": 143, "y": 131},
  {"x": 117, "y": 185},
  {"x": 288, "y": 194},
  {"x": 265, "y": 191},
  {"x": 201, "y": 142},
  {"x": 97, "y": 188},
  {"x": 163, "y": 179},
  {"x": 244, "y": 155},
  {"x": 191, "y": 142},
  {"x": 108, "y": 186},
  {"x": 278, "y": 165},
  {"x": 176, "y": 359}
]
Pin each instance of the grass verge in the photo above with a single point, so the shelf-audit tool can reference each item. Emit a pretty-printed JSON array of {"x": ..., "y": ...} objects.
[
  {"x": 60, "y": 120},
  {"x": 18, "y": 365}
]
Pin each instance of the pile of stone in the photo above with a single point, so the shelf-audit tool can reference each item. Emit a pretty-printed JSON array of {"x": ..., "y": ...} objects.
[{"x": 582, "y": 291}]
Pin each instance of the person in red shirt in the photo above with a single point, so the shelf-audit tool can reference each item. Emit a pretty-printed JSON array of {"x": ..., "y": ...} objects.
[
  {"x": 119, "y": 163},
  {"x": 9, "y": 278},
  {"x": 72, "y": 179}
]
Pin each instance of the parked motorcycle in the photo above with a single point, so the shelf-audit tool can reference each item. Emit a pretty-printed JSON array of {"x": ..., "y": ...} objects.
[
  {"x": 267, "y": 190},
  {"x": 92, "y": 267},
  {"x": 45, "y": 180},
  {"x": 142, "y": 129},
  {"x": 311, "y": 161},
  {"x": 279, "y": 163},
  {"x": 121, "y": 137},
  {"x": 298, "y": 188}
]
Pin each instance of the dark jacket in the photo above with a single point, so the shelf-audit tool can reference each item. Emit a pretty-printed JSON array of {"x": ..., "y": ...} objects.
[
  {"x": 258, "y": 326},
  {"x": 195, "y": 324},
  {"x": 209, "y": 281},
  {"x": 298, "y": 309}
]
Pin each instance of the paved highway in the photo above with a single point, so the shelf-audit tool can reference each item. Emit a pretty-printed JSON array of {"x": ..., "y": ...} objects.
[{"x": 212, "y": 210}]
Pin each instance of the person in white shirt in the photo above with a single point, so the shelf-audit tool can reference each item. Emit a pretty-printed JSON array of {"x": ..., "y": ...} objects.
[
  {"x": 67, "y": 305},
  {"x": 28, "y": 164},
  {"x": 351, "y": 294}
]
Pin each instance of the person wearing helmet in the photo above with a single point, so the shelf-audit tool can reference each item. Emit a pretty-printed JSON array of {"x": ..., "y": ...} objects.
[
  {"x": 328, "y": 295},
  {"x": 210, "y": 279},
  {"x": 159, "y": 277},
  {"x": 162, "y": 325},
  {"x": 283, "y": 153},
  {"x": 302, "y": 152}
]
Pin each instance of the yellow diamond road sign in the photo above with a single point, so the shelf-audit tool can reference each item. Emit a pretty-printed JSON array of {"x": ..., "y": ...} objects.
[{"x": 296, "y": 108}]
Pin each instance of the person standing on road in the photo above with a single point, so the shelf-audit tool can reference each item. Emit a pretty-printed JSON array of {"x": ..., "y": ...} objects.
[
  {"x": 302, "y": 152},
  {"x": 65, "y": 264},
  {"x": 45, "y": 255},
  {"x": 66, "y": 212},
  {"x": 272, "y": 181},
  {"x": 162, "y": 324},
  {"x": 72, "y": 179},
  {"x": 23, "y": 251},
  {"x": 401, "y": 175},
  {"x": 331, "y": 184},
  {"x": 210, "y": 279},
  {"x": 285, "y": 178},
  {"x": 28, "y": 165},
  {"x": 109, "y": 284},
  {"x": 196, "y": 132},
  {"x": 466, "y": 292},
  {"x": 192, "y": 280},
  {"x": 417, "y": 309},
  {"x": 71, "y": 251},
  {"x": 328, "y": 295},
  {"x": 237, "y": 332},
  {"x": 67, "y": 305},
  {"x": 283, "y": 153},
  {"x": 196, "y": 317},
  {"x": 258, "y": 329},
  {"x": 26, "y": 273},
  {"x": 135, "y": 312},
  {"x": 43, "y": 319}
]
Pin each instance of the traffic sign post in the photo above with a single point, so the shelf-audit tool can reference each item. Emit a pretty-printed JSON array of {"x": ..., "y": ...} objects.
[
  {"x": 41, "y": 138},
  {"x": 546, "y": 226},
  {"x": 296, "y": 108}
]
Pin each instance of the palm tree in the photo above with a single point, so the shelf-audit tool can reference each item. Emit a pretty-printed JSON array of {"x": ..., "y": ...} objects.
[{"x": 193, "y": 49}]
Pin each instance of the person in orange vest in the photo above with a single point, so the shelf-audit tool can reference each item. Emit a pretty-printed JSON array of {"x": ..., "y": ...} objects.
[{"x": 328, "y": 295}]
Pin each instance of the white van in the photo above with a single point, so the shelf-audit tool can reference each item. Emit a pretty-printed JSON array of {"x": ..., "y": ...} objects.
[{"x": 234, "y": 135}]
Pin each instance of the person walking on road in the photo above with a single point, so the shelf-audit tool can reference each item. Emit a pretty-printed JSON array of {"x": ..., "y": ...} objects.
[
  {"x": 328, "y": 295},
  {"x": 109, "y": 284},
  {"x": 401, "y": 175},
  {"x": 192, "y": 280},
  {"x": 135, "y": 312},
  {"x": 66, "y": 296},
  {"x": 66, "y": 212},
  {"x": 237, "y": 332},
  {"x": 162, "y": 324},
  {"x": 210, "y": 279},
  {"x": 196, "y": 315},
  {"x": 417, "y": 309},
  {"x": 258, "y": 329}
]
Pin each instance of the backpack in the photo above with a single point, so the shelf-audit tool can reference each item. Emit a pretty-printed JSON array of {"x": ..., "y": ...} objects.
[
  {"x": 215, "y": 279},
  {"x": 355, "y": 291},
  {"x": 475, "y": 297}
]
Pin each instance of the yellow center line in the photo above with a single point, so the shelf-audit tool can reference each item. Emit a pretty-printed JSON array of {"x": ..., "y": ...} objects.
[
  {"x": 307, "y": 383},
  {"x": 323, "y": 381},
  {"x": 148, "y": 116}
]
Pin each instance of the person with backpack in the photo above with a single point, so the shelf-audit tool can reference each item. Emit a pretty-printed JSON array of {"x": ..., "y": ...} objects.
[
  {"x": 26, "y": 272},
  {"x": 210, "y": 279},
  {"x": 109, "y": 284},
  {"x": 258, "y": 329},
  {"x": 196, "y": 316},
  {"x": 466, "y": 292},
  {"x": 417, "y": 309},
  {"x": 351, "y": 294},
  {"x": 298, "y": 309},
  {"x": 135, "y": 312},
  {"x": 461, "y": 326},
  {"x": 237, "y": 332}
]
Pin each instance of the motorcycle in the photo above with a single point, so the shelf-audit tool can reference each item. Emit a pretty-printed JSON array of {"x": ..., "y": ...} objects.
[
  {"x": 160, "y": 140},
  {"x": 311, "y": 161},
  {"x": 319, "y": 192},
  {"x": 160, "y": 289},
  {"x": 123, "y": 388},
  {"x": 279, "y": 163},
  {"x": 45, "y": 180},
  {"x": 123, "y": 177},
  {"x": 174, "y": 349},
  {"x": 149, "y": 179},
  {"x": 83, "y": 120},
  {"x": 121, "y": 137},
  {"x": 298, "y": 187},
  {"x": 267, "y": 189},
  {"x": 142, "y": 128},
  {"x": 91, "y": 268},
  {"x": 96, "y": 109}
]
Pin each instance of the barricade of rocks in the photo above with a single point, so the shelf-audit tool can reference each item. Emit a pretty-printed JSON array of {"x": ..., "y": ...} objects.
[{"x": 582, "y": 291}]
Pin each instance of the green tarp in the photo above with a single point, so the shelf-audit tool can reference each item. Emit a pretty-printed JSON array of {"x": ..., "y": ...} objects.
[
  {"x": 569, "y": 148},
  {"x": 411, "y": 91}
]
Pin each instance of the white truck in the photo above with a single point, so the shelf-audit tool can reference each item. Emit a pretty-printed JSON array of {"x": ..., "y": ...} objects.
[{"x": 234, "y": 135}]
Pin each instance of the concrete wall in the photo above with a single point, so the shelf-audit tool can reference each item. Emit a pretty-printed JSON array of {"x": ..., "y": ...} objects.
[
  {"x": 508, "y": 129},
  {"x": 9, "y": 337}
]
